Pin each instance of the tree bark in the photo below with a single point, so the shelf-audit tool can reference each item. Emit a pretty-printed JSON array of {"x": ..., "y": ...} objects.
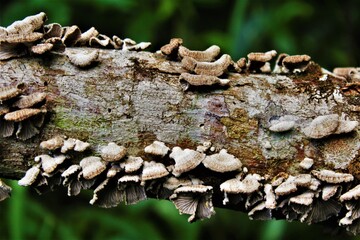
[{"x": 134, "y": 98}]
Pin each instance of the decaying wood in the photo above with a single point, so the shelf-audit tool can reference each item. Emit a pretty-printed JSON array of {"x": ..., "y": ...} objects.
[{"x": 270, "y": 122}]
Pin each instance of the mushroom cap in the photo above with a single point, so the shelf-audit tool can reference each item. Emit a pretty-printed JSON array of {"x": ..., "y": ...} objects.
[
  {"x": 207, "y": 55},
  {"x": 329, "y": 191},
  {"x": 305, "y": 198},
  {"x": 30, "y": 176},
  {"x": 28, "y": 24},
  {"x": 113, "y": 152},
  {"x": 153, "y": 170},
  {"x": 248, "y": 185},
  {"x": 85, "y": 36},
  {"x": 346, "y": 126},
  {"x": 262, "y": 57},
  {"x": 282, "y": 126},
  {"x": 171, "y": 47},
  {"x": 48, "y": 163},
  {"x": 42, "y": 48},
  {"x": 296, "y": 59},
  {"x": 71, "y": 170},
  {"x": 92, "y": 167},
  {"x": 157, "y": 148},
  {"x": 173, "y": 183},
  {"x": 332, "y": 177},
  {"x": 129, "y": 178},
  {"x": 185, "y": 160},
  {"x": 71, "y": 35},
  {"x": 287, "y": 187},
  {"x": 53, "y": 143},
  {"x": 9, "y": 92},
  {"x": 216, "y": 68},
  {"x": 132, "y": 164},
  {"x": 353, "y": 193},
  {"x": 81, "y": 146},
  {"x": 22, "y": 114},
  {"x": 53, "y": 30},
  {"x": 322, "y": 126},
  {"x": 270, "y": 198},
  {"x": 83, "y": 58},
  {"x": 306, "y": 163},
  {"x": 30, "y": 100},
  {"x": 193, "y": 189},
  {"x": 68, "y": 144},
  {"x": 222, "y": 162}
]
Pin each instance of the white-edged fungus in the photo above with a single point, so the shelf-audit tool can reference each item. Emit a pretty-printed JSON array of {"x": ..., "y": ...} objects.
[
  {"x": 185, "y": 160},
  {"x": 281, "y": 126},
  {"x": 68, "y": 144},
  {"x": 270, "y": 198},
  {"x": 53, "y": 143},
  {"x": 306, "y": 163},
  {"x": 258, "y": 61},
  {"x": 107, "y": 194},
  {"x": 322, "y": 126},
  {"x": 153, "y": 170},
  {"x": 305, "y": 198},
  {"x": 328, "y": 191},
  {"x": 157, "y": 148},
  {"x": 330, "y": 176},
  {"x": 113, "y": 152},
  {"x": 195, "y": 200},
  {"x": 346, "y": 126},
  {"x": 132, "y": 164},
  {"x": 48, "y": 163},
  {"x": 134, "y": 192},
  {"x": 83, "y": 58},
  {"x": 287, "y": 187},
  {"x": 71, "y": 35},
  {"x": 248, "y": 185},
  {"x": 92, "y": 166},
  {"x": 353, "y": 193},
  {"x": 30, "y": 100},
  {"x": 81, "y": 146},
  {"x": 30, "y": 176},
  {"x": 84, "y": 38},
  {"x": 222, "y": 162}
]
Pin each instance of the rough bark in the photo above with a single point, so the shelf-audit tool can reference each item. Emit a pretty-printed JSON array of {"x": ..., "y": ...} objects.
[{"x": 134, "y": 98}]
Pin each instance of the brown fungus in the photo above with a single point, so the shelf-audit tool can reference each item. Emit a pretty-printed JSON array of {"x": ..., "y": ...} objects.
[
  {"x": 28, "y": 24},
  {"x": 30, "y": 100},
  {"x": 216, "y": 68},
  {"x": 30, "y": 176},
  {"x": 207, "y": 55},
  {"x": 352, "y": 74},
  {"x": 259, "y": 62},
  {"x": 195, "y": 200},
  {"x": 188, "y": 63},
  {"x": 85, "y": 37},
  {"x": 53, "y": 143},
  {"x": 185, "y": 160},
  {"x": 278, "y": 65},
  {"x": 5, "y": 191},
  {"x": 187, "y": 79},
  {"x": 92, "y": 167},
  {"x": 100, "y": 41},
  {"x": 332, "y": 177},
  {"x": 295, "y": 63},
  {"x": 172, "y": 47},
  {"x": 71, "y": 35},
  {"x": 83, "y": 58},
  {"x": 157, "y": 148},
  {"x": 10, "y": 92},
  {"x": 113, "y": 152},
  {"x": 22, "y": 114},
  {"x": 222, "y": 162},
  {"x": 53, "y": 30}
]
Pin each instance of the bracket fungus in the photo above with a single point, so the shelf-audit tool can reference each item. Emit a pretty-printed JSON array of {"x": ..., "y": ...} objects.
[
  {"x": 53, "y": 143},
  {"x": 353, "y": 193},
  {"x": 350, "y": 73},
  {"x": 207, "y": 55},
  {"x": 153, "y": 170},
  {"x": 195, "y": 200},
  {"x": 216, "y": 68},
  {"x": 30, "y": 100},
  {"x": 187, "y": 79},
  {"x": 82, "y": 58},
  {"x": 134, "y": 192},
  {"x": 222, "y": 162},
  {"x": 332, "y": 177},
  {"x": 259, "y": 62},
  {"x": 248, "y": 185},
  {"x": 113, "y": 152},
  {"x": 306, "y": 163},
  {"x": 9, "y": 92},
  {"x": 185, "y": 160},
  {"x": 30, "y": 176},
  {"x": 132, "y": 164},
  {"x": 92, "y": 166},
  {"x": 172, "y": 47},
  {"x": 281, "y": 126},
  {"x": 157, "y": 148},
  {"x": 296, "y": 63}
]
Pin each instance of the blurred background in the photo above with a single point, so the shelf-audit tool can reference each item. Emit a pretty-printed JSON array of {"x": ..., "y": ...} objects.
[{"x": 328, "y": 31}]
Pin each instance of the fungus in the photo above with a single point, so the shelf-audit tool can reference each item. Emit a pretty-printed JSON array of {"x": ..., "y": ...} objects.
[
  {"x": 222, "y": 162},
  {"x": 30, "y": 176},
  {"x": 5, "y": 191},
  {"x": 153, "y": 170},
  {"x": 132, "y": 164},
  {"x": 71, "y": 35},
  {"x": 48, "y": 163},
  {"x": 200, "y": 80},
  {"x": 332, "y": 177},
  {"x": 134, "y": 192},
  {"x": 240, "y": 65},
  {"x": 207, "y": 55},
  {"x": 305, "y": 198},
  {"x": 353, "y": 193},
  {"x": 83, "y": 58},
  {"x": 68, "y": 144},
  {"x": 328, "y": 191},
  {"x": 295, "y": 63},
  {"x": 135, "y": 47},
  {"x": 216, "y": 68},
  {"x": 71, "y": 179},
  {"x": 53, "y": 143},
  {"x": 28, "y": 24},
  {"x": 279, "y": 63},
  {"x": 346, "y": 126},
  {"x": 248, "y": 185},
  {"x": 92, "y": 166},
  {"x": 258, "y": 61},
  {"x": 22, "y": 114},
  {"x": 204, "y": 147},
  {"x": 53, "y": 30},
  {"x": 322, "y": 210},
  {"x": 157, "y": 148},
  {"x": 350, "y": 73},
  {"x": 100, "y": 40},
  {"x": 188, "y": 63},
  {"x": 85, "y": 37},
  {"x": 260, "y": 212},
  {"x": 306, "y": 163},
  {"x": 26, "y": 130},
  {"x": 30, "y": 100},
  {"x": 9, "y": 92},
  {"x": 172, "y": 47},
  {"x": 281, "y": 126},
  {"x": 113, "y": 152},
  {"x": 287, "y": 187},
  {"x": 322, "y": 126},
  {"x": 195, "y": 200},
  {"x": 185, "y": 160},
  {"x": 270, "y": 198},
  {"x": 81, "y": 146},
  {"x": 107, "y": 194}
]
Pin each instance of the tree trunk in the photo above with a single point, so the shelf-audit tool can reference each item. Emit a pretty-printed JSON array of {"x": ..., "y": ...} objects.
[{"x": 134, "y": 98}]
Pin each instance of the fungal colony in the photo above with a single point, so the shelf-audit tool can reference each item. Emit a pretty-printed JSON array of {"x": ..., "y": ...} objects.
[
  {"x": 20, "y": 111},
  {"x": 318, "y": 195}
]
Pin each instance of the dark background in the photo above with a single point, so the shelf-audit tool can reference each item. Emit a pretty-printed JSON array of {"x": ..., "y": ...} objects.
[{"x": 328, "y": 31}]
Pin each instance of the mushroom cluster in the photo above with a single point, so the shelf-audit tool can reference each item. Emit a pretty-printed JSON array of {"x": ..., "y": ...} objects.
[
  {"x": 30, "y": 35},
  {"x": 22, "y": 111}
]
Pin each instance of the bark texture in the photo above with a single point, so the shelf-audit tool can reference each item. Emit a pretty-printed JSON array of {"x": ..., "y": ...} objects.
[{"x": 134, "y": 98}]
